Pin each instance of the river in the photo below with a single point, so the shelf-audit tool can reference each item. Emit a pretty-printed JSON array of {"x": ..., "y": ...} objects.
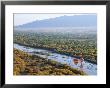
[{"x": 88, "y": 67}]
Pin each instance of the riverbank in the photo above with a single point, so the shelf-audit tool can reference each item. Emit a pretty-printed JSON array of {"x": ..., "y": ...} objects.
[
  {"x": 88, "y": 68},
  {"x": 54, "y": 51},
  {"x": 26, "y": 64}
]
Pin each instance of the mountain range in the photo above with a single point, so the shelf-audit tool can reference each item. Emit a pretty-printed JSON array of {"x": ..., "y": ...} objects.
[{"x": 63, "y": 21}]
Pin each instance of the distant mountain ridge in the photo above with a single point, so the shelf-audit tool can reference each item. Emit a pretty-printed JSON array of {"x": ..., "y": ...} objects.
[{"x": 63, "y": 21}]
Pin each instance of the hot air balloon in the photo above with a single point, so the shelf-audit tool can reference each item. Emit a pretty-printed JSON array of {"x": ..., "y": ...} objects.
[
  {"x": 75, "y": 61},
  {"x": 81, "y": 59}
]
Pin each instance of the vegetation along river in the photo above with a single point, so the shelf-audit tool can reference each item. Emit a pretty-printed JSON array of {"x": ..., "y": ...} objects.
[{"x": 88, "y": 67}]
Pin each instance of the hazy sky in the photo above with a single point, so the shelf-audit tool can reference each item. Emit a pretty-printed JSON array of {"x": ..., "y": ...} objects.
[{"x": 20, "y": 19}]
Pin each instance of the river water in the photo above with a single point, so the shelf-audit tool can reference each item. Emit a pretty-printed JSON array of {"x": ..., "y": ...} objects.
[{"x": 87, "y": 67}]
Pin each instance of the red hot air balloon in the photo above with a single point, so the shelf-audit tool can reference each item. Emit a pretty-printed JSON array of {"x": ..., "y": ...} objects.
[{"x": 76, "y": 61}]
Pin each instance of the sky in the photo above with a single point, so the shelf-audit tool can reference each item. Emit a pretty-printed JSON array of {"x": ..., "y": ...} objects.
[{"x": 20, "y": 18}]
